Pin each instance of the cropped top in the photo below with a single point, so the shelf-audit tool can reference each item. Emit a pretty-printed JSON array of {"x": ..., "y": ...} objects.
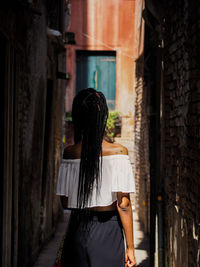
[{"x": 117, "y": 176}]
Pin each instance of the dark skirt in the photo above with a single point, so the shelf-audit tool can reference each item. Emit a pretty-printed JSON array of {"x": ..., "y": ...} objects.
[{"x": 94, "y": 239}]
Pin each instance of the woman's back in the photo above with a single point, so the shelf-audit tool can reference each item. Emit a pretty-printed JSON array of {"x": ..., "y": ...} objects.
[{"x": 108, "y": 149}]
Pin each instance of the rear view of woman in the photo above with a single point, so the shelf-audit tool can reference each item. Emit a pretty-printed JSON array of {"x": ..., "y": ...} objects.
[{"x": 94, "y": 181}]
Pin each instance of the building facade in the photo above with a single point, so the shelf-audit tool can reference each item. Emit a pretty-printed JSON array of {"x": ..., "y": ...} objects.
[
  {"x": 103, "y": 41},
  {"x": 32, "y": 51},
  {"x": 171, "y": 76},
  {"x": 182, "y": 133}
]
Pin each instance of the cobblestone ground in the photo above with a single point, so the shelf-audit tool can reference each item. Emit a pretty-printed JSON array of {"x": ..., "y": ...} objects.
[{"x": 48, "y": 254}]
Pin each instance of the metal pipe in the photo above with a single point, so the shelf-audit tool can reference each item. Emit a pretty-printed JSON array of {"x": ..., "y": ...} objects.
[{"x": 160, "y": 203}]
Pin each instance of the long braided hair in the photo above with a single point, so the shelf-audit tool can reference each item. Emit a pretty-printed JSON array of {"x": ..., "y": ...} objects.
[{"x": 89, "y": 115}]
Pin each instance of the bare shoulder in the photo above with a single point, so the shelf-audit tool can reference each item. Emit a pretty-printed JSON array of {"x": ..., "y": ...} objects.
[
  {"x": 120, "y": 149},
  {"x": 114, "y": 149}
]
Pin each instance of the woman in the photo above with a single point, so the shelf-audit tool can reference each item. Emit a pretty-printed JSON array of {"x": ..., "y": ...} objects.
[{"x": 94, "y": 181}]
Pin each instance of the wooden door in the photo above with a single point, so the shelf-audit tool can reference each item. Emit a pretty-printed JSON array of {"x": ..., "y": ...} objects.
[{"x": 97, "y": 69}]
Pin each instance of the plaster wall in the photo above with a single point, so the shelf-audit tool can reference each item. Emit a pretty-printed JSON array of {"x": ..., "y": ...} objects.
[{"x": 105, "y": 26}]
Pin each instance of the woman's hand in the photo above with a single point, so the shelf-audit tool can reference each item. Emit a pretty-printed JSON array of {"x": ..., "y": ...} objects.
[{"x": 130, "y": 258}]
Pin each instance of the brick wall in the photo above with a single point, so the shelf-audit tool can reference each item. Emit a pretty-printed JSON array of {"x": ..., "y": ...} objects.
[
  {"x": 141, "y": 146},
  {"x": 182, "y": 133},
  {"x": 141, "y": 124}
]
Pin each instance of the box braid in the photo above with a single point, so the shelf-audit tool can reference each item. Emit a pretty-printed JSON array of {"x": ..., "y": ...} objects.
[{"x": 89, "y": 115}]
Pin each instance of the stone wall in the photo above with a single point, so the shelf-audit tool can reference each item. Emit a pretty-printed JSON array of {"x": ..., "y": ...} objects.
[
  {"x": 182, "y": 133},
  {"x": 34, "y": 119}
]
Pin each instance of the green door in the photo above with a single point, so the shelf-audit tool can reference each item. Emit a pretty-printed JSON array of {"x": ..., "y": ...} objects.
[{"x": 97, "y": 70}]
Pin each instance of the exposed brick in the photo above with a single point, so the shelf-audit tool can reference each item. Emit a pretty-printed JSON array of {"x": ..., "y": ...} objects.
[
  {"x": 141, "y": 147},
  {"x": 182, "y": 131}
]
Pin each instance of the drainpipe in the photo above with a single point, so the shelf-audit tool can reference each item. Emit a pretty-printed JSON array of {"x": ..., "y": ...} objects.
[
  {"x": 160, "y": 233},
  {"x": 160, "y": 203}
]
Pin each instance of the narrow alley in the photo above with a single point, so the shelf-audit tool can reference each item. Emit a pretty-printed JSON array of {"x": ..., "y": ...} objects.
[
  {"x": 48, "y": 254},
  {"x": 144, "y": 56}
]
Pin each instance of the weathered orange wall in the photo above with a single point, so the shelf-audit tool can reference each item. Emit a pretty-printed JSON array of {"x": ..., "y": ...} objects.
[
  {"x": 139, "y": 30},
  {"x": 105, "y": 25}
]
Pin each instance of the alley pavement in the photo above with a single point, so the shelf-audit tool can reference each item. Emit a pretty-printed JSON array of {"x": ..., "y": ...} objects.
[
  {"x": 141, "y": 242},
  {"x": 48, "y": 253}
]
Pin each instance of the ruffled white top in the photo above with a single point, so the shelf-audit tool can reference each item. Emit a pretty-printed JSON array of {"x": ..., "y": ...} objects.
[{"x": 117, "y": 176}]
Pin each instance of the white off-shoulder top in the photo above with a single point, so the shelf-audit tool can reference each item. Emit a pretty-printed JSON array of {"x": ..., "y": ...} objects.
[{"x": 117, "y": 176}]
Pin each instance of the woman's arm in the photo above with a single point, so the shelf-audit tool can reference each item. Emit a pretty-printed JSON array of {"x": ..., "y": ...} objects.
[{"x": 126, "y": 216}]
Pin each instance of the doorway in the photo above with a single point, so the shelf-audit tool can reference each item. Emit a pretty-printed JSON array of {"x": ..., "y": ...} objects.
[{"x": 97, "y": 69}]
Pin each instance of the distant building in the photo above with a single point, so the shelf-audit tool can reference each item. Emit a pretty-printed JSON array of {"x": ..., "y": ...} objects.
[{"x": 101, "y": 54}]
